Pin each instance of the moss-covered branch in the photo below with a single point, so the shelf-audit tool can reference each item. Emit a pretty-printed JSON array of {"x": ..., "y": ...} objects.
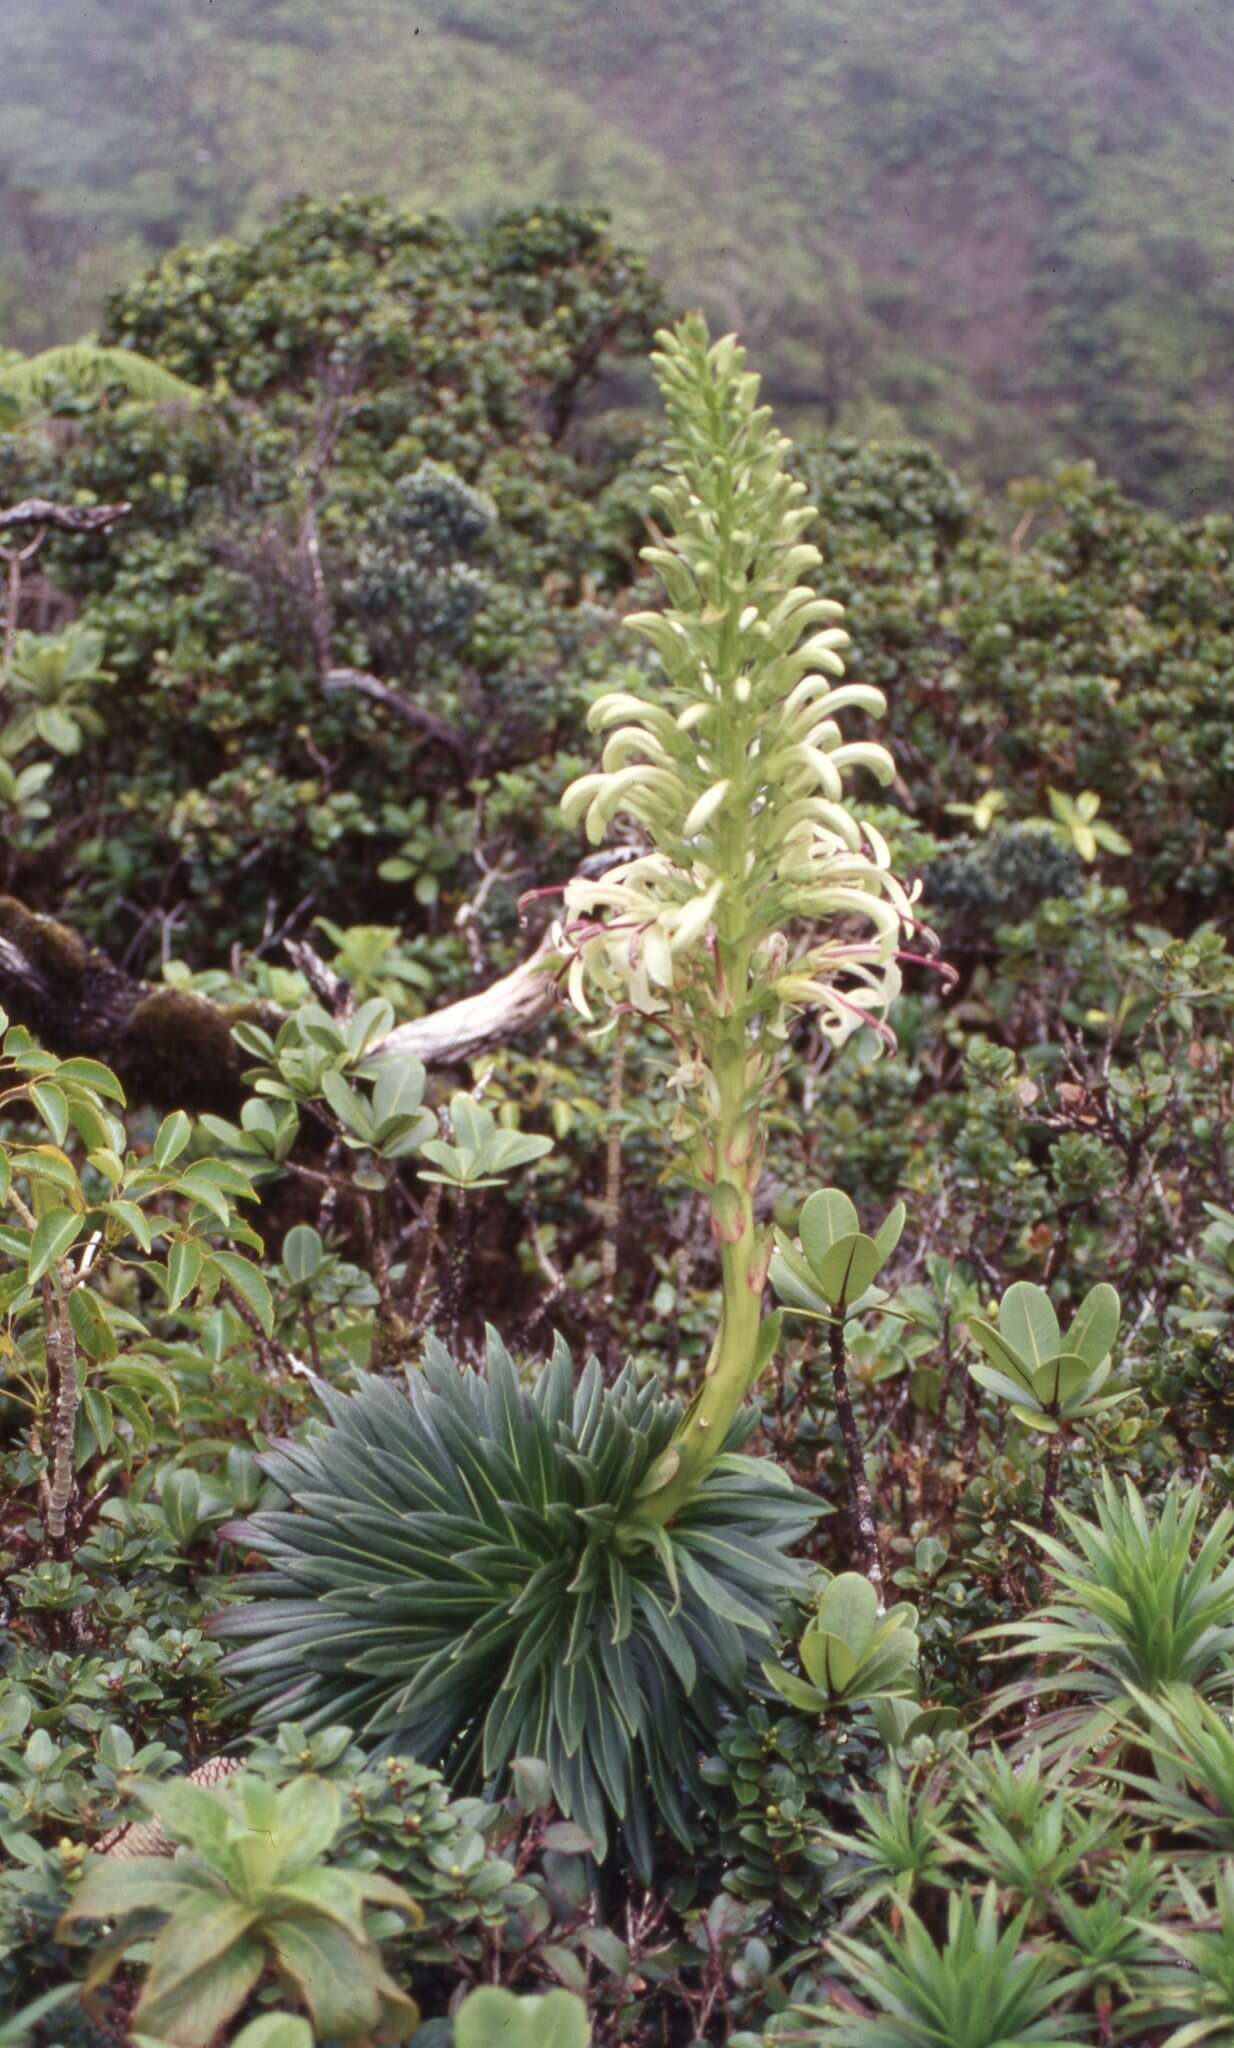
[{"x": 174, "y": 1048}]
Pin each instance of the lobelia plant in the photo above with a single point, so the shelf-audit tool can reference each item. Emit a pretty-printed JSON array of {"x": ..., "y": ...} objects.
[
  {"x": 588, "y": 1575},
  {"x": 761, "y": 895},
  {"x": 463, "y": 1573}
]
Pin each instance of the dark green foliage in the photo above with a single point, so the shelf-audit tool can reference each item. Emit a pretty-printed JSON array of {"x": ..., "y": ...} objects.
[
  {"x": 978, "y": 884},
  {"x": 412, "y": 574},
  {"x": 377, "y": 486},
  {"x": 461, "y": 1572},
  {"x": 774, "y": 1783}
]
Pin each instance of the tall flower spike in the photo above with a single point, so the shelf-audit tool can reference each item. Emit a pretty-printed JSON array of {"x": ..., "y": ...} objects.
[
  {"x": 734, "y": 764},
  {"x": 758, "y": 893}
]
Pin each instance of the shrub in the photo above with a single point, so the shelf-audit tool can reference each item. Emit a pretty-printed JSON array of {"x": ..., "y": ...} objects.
[{"x": 251, "y": 1892}]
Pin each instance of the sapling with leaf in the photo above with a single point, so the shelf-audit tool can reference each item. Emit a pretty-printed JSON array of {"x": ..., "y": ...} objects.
[
  {"x": 22, "y": 796},
  {"x": 851, "y": 1651},
  {"x": 1207, "y": 1300},
  {"x": 323, "y": 1294},
  {"x": 249, "y": 1890},
  {"x": 489, "y": 2015},
  {"x": 372, "y": 962},
  {"x": 1074, "y": 822},
  {"x": 332, "y": 1070},
  {"x": 79, "y": 1202},
  {"x": 1053, "y": 1382},
  {"x": 829, "y": 1277},
  {"x": 483, "y": 1151},
  {"x": 322, "y": 1067},
  {"x": 51, "y": 679},
  {"x": 272, "y": 2030},
  {"x": 481, "y": 1155},
  {"x": 983, "y": 813}
]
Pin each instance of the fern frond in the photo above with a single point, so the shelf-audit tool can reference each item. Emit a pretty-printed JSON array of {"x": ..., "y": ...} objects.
[{"x": 85, "y": 367}]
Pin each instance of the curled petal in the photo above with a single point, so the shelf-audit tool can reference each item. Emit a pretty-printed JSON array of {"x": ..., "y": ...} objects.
[
  {"x": 706, "y": 807},
  {"x": 866, "y": 754},
  {"x": 632, "y": 740},
  {"x": 825, "y": 769},
  {"x": 576, "y": 798},
  {"x": 850, "y": 696},
  {"x": 618, "y": 704},
  {"x": 691, "y": 922},
  {"x": 577, "y": 989}
]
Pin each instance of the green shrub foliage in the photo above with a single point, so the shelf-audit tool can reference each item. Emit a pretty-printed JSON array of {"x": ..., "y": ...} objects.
[{"x": 951, "y": 1761}]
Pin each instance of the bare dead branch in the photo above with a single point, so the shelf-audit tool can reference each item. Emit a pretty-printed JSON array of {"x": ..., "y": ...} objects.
[
  {"x": 67, "y": 518},
  {"x": 336, "y": 680},
  {"x": 174, "y": 1048},
  {"x": 332, "y": 992},
  {"x": 504, "y": 1010}
]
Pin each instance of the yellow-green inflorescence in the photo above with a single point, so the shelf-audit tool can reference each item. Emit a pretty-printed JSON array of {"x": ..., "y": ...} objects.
[{"x": 758, "y": 893}]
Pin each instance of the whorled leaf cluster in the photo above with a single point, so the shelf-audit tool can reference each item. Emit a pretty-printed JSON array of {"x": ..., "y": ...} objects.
[{"x": 461, "y": 1571}]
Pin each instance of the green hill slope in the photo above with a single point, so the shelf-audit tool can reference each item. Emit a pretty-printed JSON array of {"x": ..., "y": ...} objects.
[{"x": 1007, "y": 226}]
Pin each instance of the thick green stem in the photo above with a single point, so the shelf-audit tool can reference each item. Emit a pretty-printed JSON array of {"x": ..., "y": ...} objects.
[
  {"x": 731, "y": 1368},
  {"x": 729, "y": 1377}
]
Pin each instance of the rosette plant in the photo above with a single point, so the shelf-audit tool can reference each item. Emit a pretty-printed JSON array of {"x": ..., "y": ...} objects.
[
  {"x": 463, "y": 1571},
  {"x": 480, "y": 1570}
]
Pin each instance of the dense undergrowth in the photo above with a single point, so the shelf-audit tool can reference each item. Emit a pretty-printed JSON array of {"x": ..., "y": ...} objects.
[{"x": 808, "y": 1610}]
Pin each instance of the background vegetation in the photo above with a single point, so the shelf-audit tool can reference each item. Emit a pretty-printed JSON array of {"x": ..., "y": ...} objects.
[
  {"x": 283, "y": 747},
  {"x": 1003, "y": 227}
]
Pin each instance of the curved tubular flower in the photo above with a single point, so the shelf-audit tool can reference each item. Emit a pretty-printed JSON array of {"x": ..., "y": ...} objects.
[{"x": 760, "y": 893}]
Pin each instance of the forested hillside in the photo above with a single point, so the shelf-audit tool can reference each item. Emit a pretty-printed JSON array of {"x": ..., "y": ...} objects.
[
  {"x": 1007, "y": 227},
  {"x": 616, "y": 1196}
]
